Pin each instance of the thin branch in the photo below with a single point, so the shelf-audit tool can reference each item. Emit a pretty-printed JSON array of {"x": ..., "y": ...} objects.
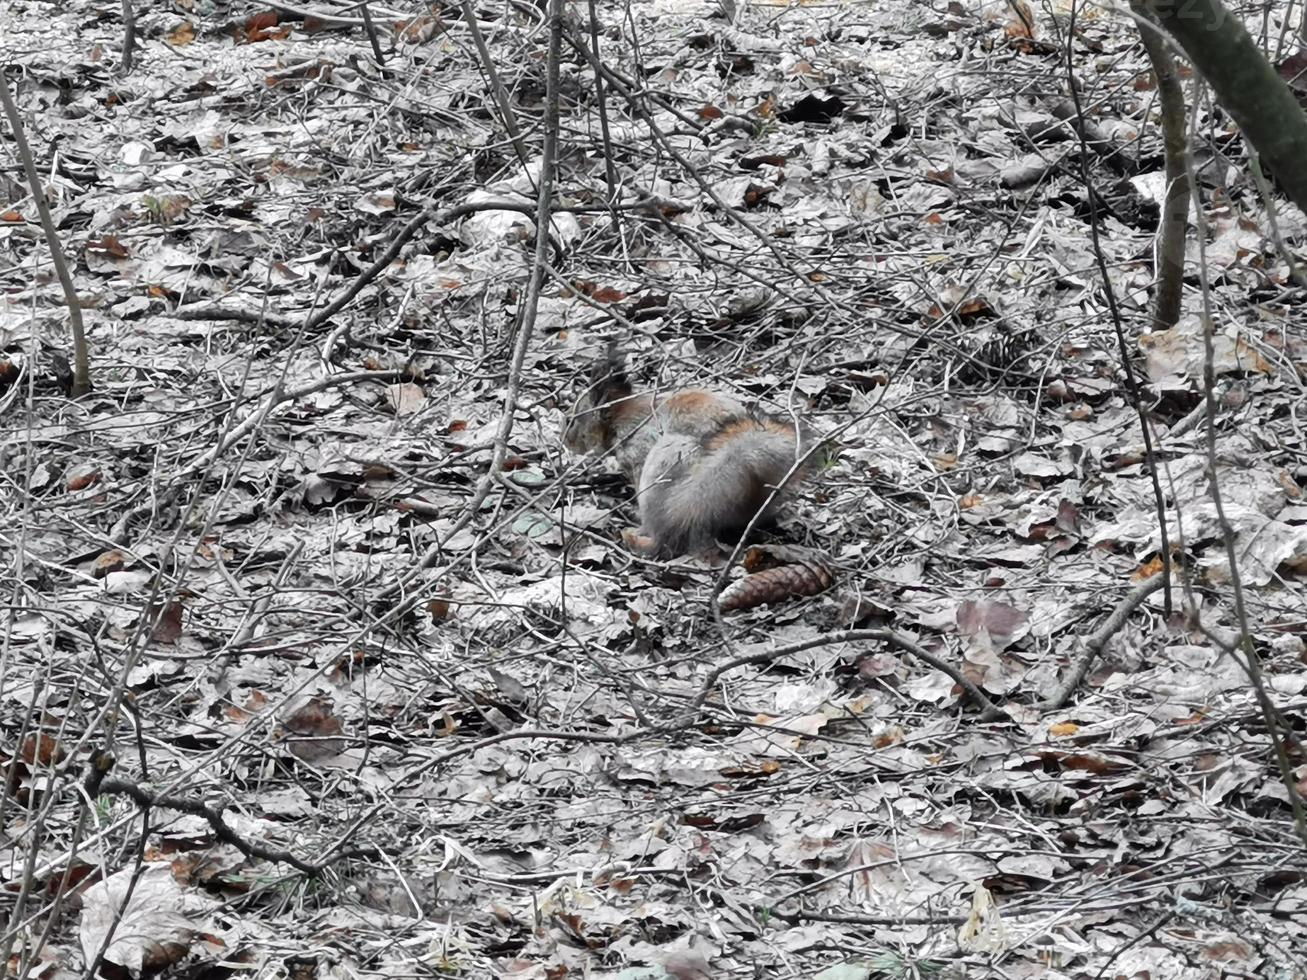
[
  {"x": 496, "y": 86},
  {"x": 1098, "y": 641},
  {"x": 990, "y": 710},
  {"x": 81, "y": 355},
  {"x": 221, "y": 829},
  {"x": 1277, "y": 727},
  {"x": 527, "y": 316},
  {"x": 1133, "y": 387}
]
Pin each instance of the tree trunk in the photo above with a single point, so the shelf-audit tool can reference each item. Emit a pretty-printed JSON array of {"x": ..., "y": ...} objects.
[
  {"x": 1175, "y": 204},
  {"x": 1246, "y": 84}
]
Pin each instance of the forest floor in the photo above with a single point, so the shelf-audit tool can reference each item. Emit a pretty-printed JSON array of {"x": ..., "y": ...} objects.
[{"x": 323, "y": 659}]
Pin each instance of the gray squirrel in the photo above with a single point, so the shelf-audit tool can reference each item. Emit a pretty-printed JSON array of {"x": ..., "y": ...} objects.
[{"x": 703, "y": 464}]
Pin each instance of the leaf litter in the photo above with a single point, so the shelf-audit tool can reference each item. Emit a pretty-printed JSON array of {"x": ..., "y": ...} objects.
[{"x": 863, "y": 215}]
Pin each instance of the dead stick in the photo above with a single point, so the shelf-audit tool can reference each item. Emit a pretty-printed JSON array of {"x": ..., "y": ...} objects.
[{"x": 1099, "y": 640}]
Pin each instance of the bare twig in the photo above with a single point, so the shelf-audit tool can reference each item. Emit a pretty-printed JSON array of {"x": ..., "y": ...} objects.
[
  {"x": 81, "y": 354},
  {"x": 401, "y": 239},
  {"x": 1098, "y": 641},
  {"x": 506, "y": 114},
  {"x": 903, "y": 642},
  {"x": 221, "y": 829},
  {"x": 1277, "y": 726},
  {"x": 1133, "y": 387},
  {"x": 371, "y": 32},
  {"x": 335, "y": 18},
  {"x": 527, "y": 316},
  {"x": 121, "y": 530}
]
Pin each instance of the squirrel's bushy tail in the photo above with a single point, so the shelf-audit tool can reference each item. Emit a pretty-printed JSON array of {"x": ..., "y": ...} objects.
[{"x": 695, "y": 491}]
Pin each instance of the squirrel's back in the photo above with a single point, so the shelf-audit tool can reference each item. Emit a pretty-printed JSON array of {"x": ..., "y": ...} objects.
[
  {"x": 698, "y": 486},
  {"x": 703, "y": 465}
]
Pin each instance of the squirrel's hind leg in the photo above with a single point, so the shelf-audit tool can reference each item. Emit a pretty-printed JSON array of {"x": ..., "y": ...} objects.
[
  {"x": 639, "y": 541},
  {"x": 646, "y": 545}
]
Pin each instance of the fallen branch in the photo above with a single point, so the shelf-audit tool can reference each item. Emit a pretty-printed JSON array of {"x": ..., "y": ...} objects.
[
  {"x": 1099, "y": 640},
  {"x": 989, "y": 710},
  {"x": 97, "y": 785}
]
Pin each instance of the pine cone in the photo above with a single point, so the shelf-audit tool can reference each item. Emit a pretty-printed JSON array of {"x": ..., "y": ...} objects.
[{"x": 808, "y": 575}]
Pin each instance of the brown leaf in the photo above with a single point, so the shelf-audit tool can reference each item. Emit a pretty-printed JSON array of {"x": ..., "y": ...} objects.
[
  {"x": 406, "y": 399},
  {"x": 108, "y": 245},
  {"x": 168, "y": 626},
  {"x": 1147, "y": 571},
  {"x": 1002, "y": 622},
  {"x": 112, "y": 560},
  {"x": 258, "y": 24},
  {"x": 39, "y": 751},
  {"x": 314, "y": 717},
  {"x": 1022, "y": 23},
  {"x": 311, "y": 730},
  {"x": 181, "y": 35},
  {"x": 82, "y": 476},
  {"x": 607, "y": 294}
]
